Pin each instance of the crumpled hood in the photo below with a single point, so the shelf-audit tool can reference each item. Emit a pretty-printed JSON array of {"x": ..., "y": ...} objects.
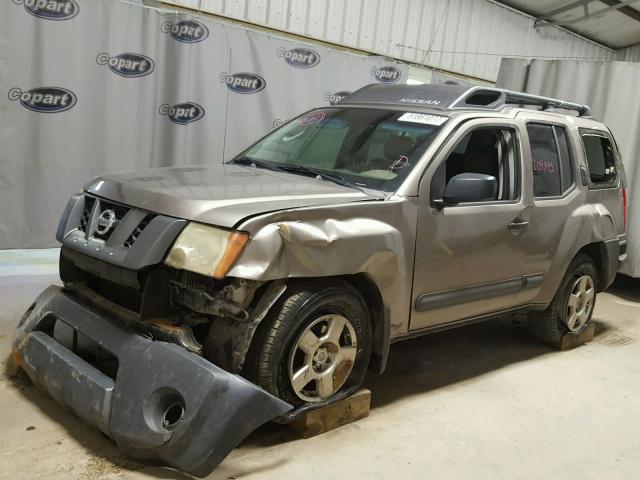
[{"x": 219, "y": 194}]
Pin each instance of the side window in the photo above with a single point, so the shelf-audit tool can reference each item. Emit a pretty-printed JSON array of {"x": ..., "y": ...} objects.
[
  {"x": 487, "y": 150},
  {"x": 552, "y": 172},
  {"x": 600, "y": 157}
]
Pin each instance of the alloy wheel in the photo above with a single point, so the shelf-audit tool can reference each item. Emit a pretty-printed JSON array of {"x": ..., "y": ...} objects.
[
  {"x": 580, "y": 303},
  {"x": 322, "y": 358}
]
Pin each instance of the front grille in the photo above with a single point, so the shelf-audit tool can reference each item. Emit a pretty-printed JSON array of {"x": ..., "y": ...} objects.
[
  {"x": 86, "y": 213},
  {"x": 119, "y": 210},
  {"x": 138, "y": 230},
  {"x": 129, "y": 237},
  {"x": 95, "y": 229}
]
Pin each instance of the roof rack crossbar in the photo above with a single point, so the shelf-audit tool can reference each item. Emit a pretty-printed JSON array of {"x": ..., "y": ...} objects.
[
  {"x": 545, "y": 102},
  {"x": 505, "y": 97},
  {"x": 456, "y": 97}
]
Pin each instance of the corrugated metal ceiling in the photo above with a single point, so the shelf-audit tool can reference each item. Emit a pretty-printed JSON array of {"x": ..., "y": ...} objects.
[
  {"x": 613, "y": 28},
  {"x": 463, "y": 36}
]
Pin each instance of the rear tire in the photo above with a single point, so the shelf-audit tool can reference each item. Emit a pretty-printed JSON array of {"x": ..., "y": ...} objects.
[
  {"x": 314, "y": 343},
  {"x": 572, "y": 307}
]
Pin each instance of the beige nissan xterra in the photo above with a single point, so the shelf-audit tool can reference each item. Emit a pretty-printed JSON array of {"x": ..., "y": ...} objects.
[{"x": 201, "y": 301}]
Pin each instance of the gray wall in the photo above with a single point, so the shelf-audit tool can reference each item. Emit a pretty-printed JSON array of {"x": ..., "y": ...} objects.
[
  {"x": 611, "y": 89},
  {"x": 129, "y": 94}
]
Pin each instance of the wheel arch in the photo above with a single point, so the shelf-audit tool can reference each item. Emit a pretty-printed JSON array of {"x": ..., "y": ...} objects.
[
  {"x": 234, "y": 339},
  {"x": 605, "y": 257},
  {"x": 379, "y": 316}
]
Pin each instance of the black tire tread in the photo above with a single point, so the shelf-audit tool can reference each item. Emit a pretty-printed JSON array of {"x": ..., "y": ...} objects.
[
  {"x": 546, "y": 325},
  {"x": 279, "y": 327}
]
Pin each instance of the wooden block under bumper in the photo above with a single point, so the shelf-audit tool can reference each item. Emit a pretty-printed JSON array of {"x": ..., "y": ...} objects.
[{"x": 333, "y": 416}]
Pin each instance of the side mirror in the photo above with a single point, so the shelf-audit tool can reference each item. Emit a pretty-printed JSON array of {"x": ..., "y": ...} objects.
[{"x": 470, "y": 187}]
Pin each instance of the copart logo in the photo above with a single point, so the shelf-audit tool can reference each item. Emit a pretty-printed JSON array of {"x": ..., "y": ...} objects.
[
  {"x": 334, "y": 98},
  {"x": 50, "y": 9},
  {"x": 386, "y": 74},
  {"x": 243, "y": 82},
  {"x": 299, "y": 57},
  {"x": 182, "y": 113},
  {"x": 44, "y": 99},
  {"x": 127, "y": 64},
  {"x": 186, "y": 31}
]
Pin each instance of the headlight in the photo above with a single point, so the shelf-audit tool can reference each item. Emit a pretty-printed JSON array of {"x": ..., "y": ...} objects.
[{"x": 206, "y": 250}]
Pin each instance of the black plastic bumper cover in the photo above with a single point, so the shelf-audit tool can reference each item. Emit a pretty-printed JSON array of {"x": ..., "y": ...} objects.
[{"x": 216, "y": 409}]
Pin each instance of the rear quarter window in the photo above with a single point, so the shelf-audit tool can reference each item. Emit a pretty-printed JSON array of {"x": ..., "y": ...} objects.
[{"x": 600, "y": 156}]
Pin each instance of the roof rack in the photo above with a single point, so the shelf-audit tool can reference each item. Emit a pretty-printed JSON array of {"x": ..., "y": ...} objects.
[
  {"x": 456, "y": 97},
  {"x": 496, "y": 98}
]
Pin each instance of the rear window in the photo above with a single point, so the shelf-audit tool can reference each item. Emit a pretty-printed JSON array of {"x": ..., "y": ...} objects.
[{"x": 600, "y": 156}]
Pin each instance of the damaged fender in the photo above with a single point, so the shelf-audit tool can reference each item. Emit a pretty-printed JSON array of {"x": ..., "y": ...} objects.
[
  {"x": 343, "y": 240},
  {"x": 164, "y": 403}
]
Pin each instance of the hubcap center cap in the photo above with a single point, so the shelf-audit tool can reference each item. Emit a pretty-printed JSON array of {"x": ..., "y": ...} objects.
[{"x": 323, "y": 357}]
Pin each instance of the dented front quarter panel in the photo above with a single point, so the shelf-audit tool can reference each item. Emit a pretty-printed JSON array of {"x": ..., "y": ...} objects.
[{"x": 372, "y": 237}]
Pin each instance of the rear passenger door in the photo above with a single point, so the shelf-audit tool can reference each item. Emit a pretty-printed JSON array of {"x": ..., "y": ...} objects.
[{"x": 550, "y": 243}]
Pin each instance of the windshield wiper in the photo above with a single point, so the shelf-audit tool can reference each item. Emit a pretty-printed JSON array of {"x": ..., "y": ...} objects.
[
  {"x": 319, "y": 173},
  {"x": 248, "y": 161}
]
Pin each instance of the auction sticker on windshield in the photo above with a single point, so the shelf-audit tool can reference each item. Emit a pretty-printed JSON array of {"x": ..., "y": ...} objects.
[{"x": 422, "y": 118}]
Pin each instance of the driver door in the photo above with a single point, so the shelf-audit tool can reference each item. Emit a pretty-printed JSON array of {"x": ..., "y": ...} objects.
[{"x": 470, "y": 255}]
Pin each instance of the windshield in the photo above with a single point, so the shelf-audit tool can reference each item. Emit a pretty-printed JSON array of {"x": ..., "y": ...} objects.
[{"x": 361, "y": 147}]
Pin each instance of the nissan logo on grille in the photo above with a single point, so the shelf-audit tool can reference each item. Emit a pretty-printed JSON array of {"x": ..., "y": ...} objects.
[
  {"x": 186, "y": 31},
  {"x": 299, "y": 57},
  {"x": 386, "y": 74},
  {"x": 50, "y": 9},
  {"x": 243, "y": 82},
  {"x": 127, "y": 64},
  {"x": 44, "y": 99},
  {"x": 182, "y": 113},
  {"x": 106, "y": 220}
]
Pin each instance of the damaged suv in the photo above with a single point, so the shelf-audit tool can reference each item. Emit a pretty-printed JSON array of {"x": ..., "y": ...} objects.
[{"x": 200, "y": 302}]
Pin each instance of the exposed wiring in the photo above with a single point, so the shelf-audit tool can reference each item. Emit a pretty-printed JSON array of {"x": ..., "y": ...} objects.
[
  {"x": 455, "y": 52},
  {"x": 435, "y": 33}
]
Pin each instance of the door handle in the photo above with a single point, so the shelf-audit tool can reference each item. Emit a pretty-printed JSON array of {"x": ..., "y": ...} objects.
[{"x": 518, "y": 224}]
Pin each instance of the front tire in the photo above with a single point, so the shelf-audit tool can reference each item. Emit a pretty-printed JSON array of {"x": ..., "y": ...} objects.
[
  {"x": 314, "y": 343},
  {"x": 572, "y": 307}
]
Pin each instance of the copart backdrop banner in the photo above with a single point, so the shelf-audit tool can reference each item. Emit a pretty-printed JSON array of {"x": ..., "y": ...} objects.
[
  {"x": 611, "y": 89},
  {"x": 89, "y": 87}
]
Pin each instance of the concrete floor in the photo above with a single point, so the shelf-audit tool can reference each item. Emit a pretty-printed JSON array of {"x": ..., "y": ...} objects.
[{"x": 479, "y": 402}]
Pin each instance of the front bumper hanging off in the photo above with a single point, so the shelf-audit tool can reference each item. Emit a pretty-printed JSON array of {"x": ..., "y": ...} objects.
[{"x": 164, "y": 403}]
